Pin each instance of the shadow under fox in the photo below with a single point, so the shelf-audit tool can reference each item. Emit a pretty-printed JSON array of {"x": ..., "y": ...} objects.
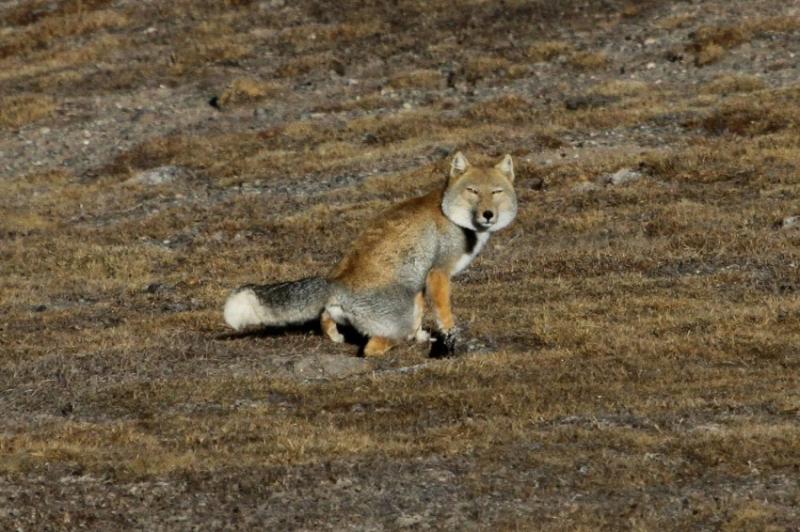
[{"x": 408, "y": 250}]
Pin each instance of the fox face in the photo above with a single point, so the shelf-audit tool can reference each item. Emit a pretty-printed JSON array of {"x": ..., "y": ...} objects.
[{"x": 480, "y": 199}]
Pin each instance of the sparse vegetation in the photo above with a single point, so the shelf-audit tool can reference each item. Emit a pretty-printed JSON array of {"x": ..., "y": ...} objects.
[
  {"x": 634, "y": 352},
  {"x": 588, "y": 60},
  {"x": 18, "y": 110}
]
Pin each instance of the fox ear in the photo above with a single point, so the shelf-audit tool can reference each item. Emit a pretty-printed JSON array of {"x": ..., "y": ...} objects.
[
  {"x": 506, "y": 167},
  {"x": 459, "y": 165}
]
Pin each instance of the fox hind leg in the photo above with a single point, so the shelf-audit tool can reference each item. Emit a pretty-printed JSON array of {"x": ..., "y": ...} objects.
[
  {"x": 378, "y": 345},
  {"x": 329, "y": 328},
  {"x": 385, "y": 316}
]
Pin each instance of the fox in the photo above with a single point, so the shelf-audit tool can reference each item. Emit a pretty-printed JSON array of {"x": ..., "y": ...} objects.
[{"x": 412, "y": 249}]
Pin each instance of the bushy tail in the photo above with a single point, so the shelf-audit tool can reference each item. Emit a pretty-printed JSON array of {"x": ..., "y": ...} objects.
[{"x": 277, "y": 304}]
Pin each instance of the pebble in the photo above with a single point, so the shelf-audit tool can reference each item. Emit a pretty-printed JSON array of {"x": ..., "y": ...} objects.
[
  {"x": 626, "y": 175},
  {"x": 156, "y": 176}
]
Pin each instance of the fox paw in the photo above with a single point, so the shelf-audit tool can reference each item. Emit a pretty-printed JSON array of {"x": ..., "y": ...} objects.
[
  {"x": 336, "y": 336},
  {"x": 450, "y": 343},
  {"x": 422, "y": 336}
]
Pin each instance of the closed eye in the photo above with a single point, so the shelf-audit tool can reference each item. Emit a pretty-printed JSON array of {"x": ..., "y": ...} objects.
[
  {"x": 497, "y": 192},
  {"x": 471, "y": 190}
]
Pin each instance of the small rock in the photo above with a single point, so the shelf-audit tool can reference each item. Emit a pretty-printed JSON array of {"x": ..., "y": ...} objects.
[
  {"x": 674, "y": 57},
  {"x": 152, "y": 288},
  {"x": 585, "y": 186},
  {"x": 626, "y": 175},
  {"x": 408, "y": 521},
  {"x": 442, "y": 151},
  {"x": 343, "y": 483},
  {"x": 338, "y": 67},
  {"x": 156, "y": 176},
  {"x": 790, "y": 221},
  {"x": 441, "y": 475}
]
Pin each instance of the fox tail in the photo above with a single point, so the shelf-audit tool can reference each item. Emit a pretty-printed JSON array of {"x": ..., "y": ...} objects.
[{"x": 277, "y": 304}]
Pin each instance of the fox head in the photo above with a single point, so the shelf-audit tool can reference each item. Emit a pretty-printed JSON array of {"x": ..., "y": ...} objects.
[{"x": 480, "y": 199}]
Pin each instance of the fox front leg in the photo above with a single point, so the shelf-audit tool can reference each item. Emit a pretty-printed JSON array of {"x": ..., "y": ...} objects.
[{"x": 439, "y": 287}]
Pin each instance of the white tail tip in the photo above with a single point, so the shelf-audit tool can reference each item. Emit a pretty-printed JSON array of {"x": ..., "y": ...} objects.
[{"x": 241, "y": 309}]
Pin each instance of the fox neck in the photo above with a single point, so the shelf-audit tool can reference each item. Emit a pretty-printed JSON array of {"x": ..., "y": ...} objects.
[{"x": 474, "y": 244}]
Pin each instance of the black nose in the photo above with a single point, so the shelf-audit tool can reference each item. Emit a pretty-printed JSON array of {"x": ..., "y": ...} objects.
[{"x": 488, "y": 215}]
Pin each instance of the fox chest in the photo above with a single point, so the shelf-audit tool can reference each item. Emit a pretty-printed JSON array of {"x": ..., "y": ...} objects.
[{"x": 474, "y": 245}]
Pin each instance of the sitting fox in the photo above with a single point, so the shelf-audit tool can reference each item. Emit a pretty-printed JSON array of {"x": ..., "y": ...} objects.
[{"x": 412, "y": 248}]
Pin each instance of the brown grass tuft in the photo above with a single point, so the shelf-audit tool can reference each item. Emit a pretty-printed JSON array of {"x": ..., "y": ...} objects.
[
  {"x": 709, "y": 43},
  {"x": 246, "y": 91},
  {"x": 417, "y": 79},
  {"x": 709, "y": 54},
  {"x": 588, "y": 60},
  {"x": 19, "y": 110},
  {"x": 481, "y": 66},
  {"x": 547, "y": 50},
  {"x": 722, "y": 36},
  {"x": 747, "y": 118},
  {"x": 733, "y": 83},
  {"x": 318, "y": 64},
  {"x": 508, "y": 108}
]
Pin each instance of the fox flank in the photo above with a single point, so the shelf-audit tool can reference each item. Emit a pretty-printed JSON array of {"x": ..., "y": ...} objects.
[{"x": 409, "y": 250}]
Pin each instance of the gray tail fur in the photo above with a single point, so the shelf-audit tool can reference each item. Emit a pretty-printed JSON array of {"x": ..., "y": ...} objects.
[{"x": 277, "y": 304}]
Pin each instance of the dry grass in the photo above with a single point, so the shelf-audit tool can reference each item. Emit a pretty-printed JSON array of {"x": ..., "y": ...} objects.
[
  {"x": 417, "y": 79},
  {"x": 247, "y": 91},
  {"x": 635, "y": 359},
  {"x": 733, "y": 82},
  {"x": 588, "y": 60},
  {"x": 547, "y": 50},
  {"x": 17, "y": 110}
]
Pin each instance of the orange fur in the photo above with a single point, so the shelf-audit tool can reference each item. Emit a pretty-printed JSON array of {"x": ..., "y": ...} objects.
[
  {"x": 378, "y": 345},
  {"x": 439, "y": 288}
]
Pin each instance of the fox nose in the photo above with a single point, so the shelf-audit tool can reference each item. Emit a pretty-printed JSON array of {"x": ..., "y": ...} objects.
[{"x": 488, "y": 215}]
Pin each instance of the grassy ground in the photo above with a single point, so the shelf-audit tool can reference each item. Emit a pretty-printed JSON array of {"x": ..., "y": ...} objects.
[{"x": 635, "y": 360}]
